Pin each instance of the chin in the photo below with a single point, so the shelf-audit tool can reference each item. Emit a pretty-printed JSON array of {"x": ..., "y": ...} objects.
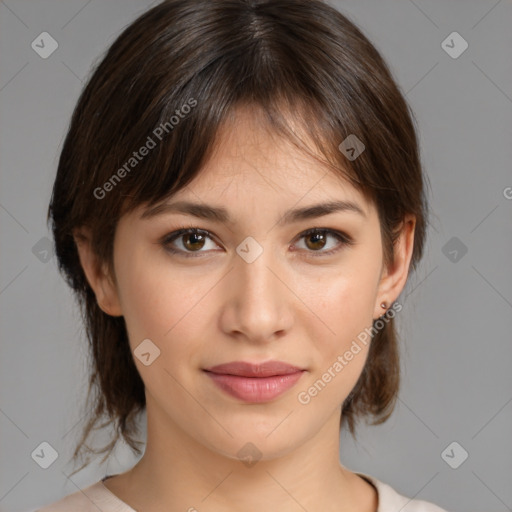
[{"x": 253, "y": 444}]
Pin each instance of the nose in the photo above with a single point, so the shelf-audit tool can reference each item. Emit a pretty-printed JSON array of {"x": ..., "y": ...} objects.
[{"x": 258, "y": 304}]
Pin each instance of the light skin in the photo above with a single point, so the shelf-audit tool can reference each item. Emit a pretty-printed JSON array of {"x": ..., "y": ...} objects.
[{"x": 292, "y": 303}]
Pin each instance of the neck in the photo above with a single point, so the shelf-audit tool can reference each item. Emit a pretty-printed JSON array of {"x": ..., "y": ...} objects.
[{"x": 179, "y": 473}]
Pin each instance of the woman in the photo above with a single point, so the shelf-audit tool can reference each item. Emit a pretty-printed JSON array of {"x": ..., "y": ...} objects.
[{"x": 237, "y": 206}]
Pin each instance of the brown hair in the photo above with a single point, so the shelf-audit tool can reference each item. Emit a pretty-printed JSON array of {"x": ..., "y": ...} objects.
[{"x": 172, "y": 77}]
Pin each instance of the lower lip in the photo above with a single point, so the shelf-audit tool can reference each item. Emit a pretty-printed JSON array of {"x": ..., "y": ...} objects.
[{"x": 255, "y": 389}]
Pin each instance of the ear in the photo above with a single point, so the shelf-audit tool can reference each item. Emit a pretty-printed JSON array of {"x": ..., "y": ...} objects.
[
  {"x": 98, "y": 278},
  {"x": 394, "y": 277}
]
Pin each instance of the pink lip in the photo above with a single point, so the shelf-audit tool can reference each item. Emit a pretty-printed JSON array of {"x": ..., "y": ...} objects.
[{"x": 255, "y": 382}]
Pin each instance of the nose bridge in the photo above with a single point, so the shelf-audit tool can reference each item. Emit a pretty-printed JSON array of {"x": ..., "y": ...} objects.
[
  {"x": 257, "y": 298},
  {"x": 252, "y": 270}
]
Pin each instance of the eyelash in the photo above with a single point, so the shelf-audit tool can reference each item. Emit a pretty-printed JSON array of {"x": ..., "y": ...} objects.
[{"x": 343, "y": 238}]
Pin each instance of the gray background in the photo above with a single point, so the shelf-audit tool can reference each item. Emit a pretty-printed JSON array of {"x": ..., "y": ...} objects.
[{"x": 456, "y": 322}]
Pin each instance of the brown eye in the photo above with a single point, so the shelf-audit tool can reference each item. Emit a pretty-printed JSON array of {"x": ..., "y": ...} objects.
[
  {"x": 317, "y": 240},
  {"x": 193, "y": 241},
  {"x": 188, "y": 242}
]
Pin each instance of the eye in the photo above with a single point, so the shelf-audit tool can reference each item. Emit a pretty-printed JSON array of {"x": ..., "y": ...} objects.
[
  {"x": 316, "y": 240},
  {"x": 192, "y": 240}
]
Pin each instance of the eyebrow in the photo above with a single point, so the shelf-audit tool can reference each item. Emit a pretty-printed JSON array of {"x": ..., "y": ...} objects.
[{"x": 221, "y": 215}]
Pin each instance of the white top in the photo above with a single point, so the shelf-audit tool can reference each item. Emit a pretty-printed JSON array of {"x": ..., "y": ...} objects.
[{"x": 98, "y": 497}]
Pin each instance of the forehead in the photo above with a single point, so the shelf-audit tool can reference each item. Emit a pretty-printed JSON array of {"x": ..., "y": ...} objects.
[{"x": 250, "y": 159}]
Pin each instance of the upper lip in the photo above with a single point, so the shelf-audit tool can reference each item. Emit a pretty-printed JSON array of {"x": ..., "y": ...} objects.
[{"x": 246, "y": 369}]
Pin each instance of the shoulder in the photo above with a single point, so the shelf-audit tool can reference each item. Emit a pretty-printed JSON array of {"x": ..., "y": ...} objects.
[
  {"x": 90, "y": 499},
  {"x": 392, "y": 501}
]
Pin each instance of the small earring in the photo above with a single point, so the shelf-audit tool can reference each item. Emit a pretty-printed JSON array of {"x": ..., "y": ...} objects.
[{"x": 383, "y": 305}]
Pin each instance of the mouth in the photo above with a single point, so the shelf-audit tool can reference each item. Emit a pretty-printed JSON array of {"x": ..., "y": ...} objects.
[{"x": 255, "y": 383}]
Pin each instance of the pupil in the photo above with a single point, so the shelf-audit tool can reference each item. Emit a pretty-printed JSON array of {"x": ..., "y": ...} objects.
[
  {"x": 318, "y": 237},
  {"x": 196, "y": 236}
]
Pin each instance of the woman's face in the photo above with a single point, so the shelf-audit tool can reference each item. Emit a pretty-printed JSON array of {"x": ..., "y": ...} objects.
[{"x": 254, "y": 289}]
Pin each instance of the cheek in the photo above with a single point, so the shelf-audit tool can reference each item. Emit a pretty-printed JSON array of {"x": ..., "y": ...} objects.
[
  {"x": 339, "y": 355},
  {"x": 345, "y": 303},
  {"x": 164, "y": 310},
  {"x": 346, "y": 300},
  {"x": 162, "y": 306}
]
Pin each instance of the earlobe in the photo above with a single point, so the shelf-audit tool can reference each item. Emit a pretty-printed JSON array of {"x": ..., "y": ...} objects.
[
  {"x": 393, "y": 278},
  {"x": 110, "y": 301},
  {"x": 97, "y": 276}
]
